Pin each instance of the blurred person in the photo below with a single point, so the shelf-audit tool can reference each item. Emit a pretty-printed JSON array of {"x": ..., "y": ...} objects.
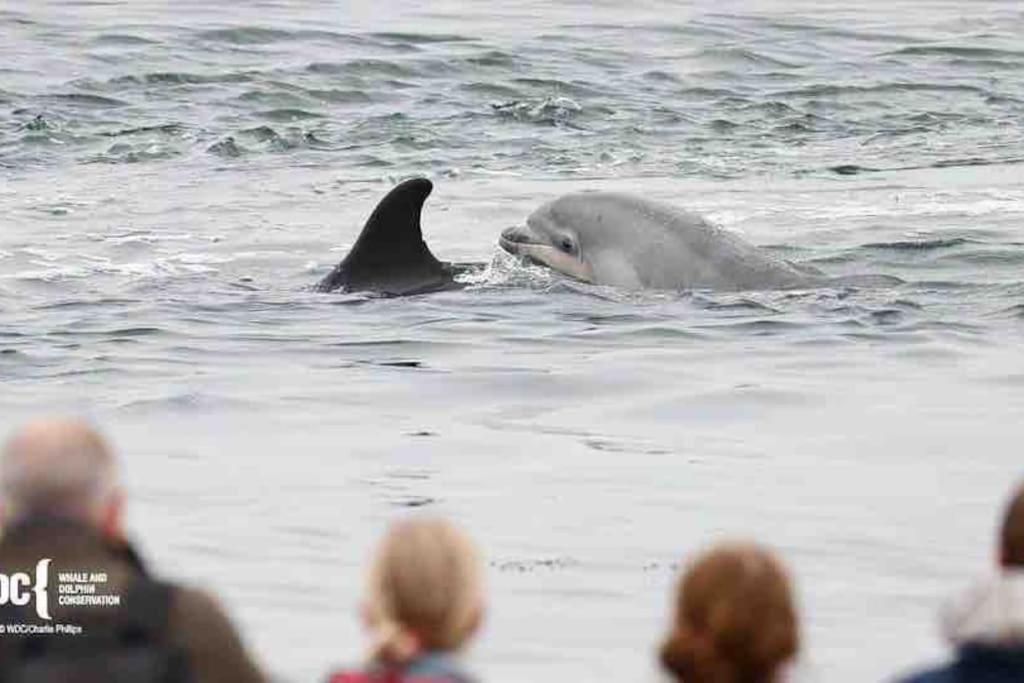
[
  {"x": 985, "y": 626},
  {"x": 424, "y": 603},
  {"x": 84, "y": 605},
  {"x": 735, "y": 619}
]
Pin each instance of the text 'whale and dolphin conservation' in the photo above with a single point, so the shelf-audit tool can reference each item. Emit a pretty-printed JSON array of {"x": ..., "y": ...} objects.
[{"x": 603, "y": 238}]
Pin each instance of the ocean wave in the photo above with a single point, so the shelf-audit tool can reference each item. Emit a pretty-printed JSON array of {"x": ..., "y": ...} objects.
[
  {"x": 85, "y": 100},
  {"x": 168, "y": 129},
  {"x": 920, "y": 245},
  {"x": 421, "y": 38},
  {"x": 254, "y": 36},
  {"x": 156, "y": 269},
  {"x": 495, "y": 58},
  {"x": 959, "y": 51},
  {"x": 488, "y": 89},
  {"x": 123, "y": 39},
  {"x": 834, "y": 90},
  {"x": 289, "y": 115},
  {"x": 739, "y": 304},
  {"x": 339, "y": 96},
  {"x": 550, "y": 111},
  {"x": 177, "y": 78},
  {"x": 188, "y": 402},
  {"x": 133, "y": 153},
  {"x": 38, "y": 123},
  {"x": 505, "y": 270},
  {"x": 246, "y": 35},
  {"x": 227, "y": 148},
  {"x": 1016, "y": 311},
  {"x": 266, "y": 139},
  {"x": 363, "y": 67},
  {"x": 856, "y": 169},
  {"x": 272, "y": 97},
  {"x": 991, "y": 256},
  {"x": 742, "y": 56}
]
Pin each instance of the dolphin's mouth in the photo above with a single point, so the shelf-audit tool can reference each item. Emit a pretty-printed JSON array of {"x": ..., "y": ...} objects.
[
  {"x": 516, "y": 240},
  {"x": 523, "y": 242}
]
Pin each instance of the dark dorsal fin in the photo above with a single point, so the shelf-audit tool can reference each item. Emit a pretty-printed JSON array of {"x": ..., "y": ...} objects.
[
  {"x": 393, "y": 232},
  {"x": 390, "y": 255}
]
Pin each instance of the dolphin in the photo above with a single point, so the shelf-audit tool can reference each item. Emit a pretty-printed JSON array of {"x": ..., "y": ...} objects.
[
  {"x": 609, "y": 238},
  {"x": 390, "y": 256}
]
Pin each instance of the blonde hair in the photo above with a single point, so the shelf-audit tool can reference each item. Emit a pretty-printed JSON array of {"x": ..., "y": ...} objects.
[
  {"x": 735, "y": 619},
  {"x": 425, "y": 590}
]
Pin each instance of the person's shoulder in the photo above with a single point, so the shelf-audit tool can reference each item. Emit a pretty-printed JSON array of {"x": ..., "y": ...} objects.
[
  {"x": 383, "y": 676},
  {"x": 196, "y": 610},
  {"x": 935, "y": 674},
  {"x": 196, "y": 601},
  {"x": 353, "y": 676},
  {"x": 200, "y": 624},
  {"x": 348, "y": 677}
]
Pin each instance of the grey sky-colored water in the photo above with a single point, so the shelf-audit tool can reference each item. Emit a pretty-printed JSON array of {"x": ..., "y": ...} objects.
[{"x": 173, "y": 178}]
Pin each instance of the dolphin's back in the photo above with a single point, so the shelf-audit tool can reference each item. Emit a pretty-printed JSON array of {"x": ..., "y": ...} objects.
[{"x": 669, "y": 248}]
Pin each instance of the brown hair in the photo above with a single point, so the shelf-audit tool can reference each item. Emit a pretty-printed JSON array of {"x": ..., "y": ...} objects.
[
  {"x": 425, "y": 591},
  {"x": 735, "y": 621},
  {"x": 1012, "y": 542}
]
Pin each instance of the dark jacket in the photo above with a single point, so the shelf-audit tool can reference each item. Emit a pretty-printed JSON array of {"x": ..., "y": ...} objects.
[
  {"x": 195, "y": 624},
  {"x": 986, "y": 628},
  {"x": 977, "y": 664}
]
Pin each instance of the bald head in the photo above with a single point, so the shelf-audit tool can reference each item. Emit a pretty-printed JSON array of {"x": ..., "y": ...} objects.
[
  {"x": 58, "y": 467},
  {"x": 1013, "y": 532}
]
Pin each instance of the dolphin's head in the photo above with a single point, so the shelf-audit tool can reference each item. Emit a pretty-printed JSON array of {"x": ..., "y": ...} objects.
[
  {"x": 576, "y": 235},
  {"x": 552, "y": 238}
]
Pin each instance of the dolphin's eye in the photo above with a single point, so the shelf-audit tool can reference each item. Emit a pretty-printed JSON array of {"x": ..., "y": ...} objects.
[{"x": 568, "y": 245}]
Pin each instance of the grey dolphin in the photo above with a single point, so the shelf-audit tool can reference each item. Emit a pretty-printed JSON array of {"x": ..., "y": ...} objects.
[{"x": 617, "y": 239}]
